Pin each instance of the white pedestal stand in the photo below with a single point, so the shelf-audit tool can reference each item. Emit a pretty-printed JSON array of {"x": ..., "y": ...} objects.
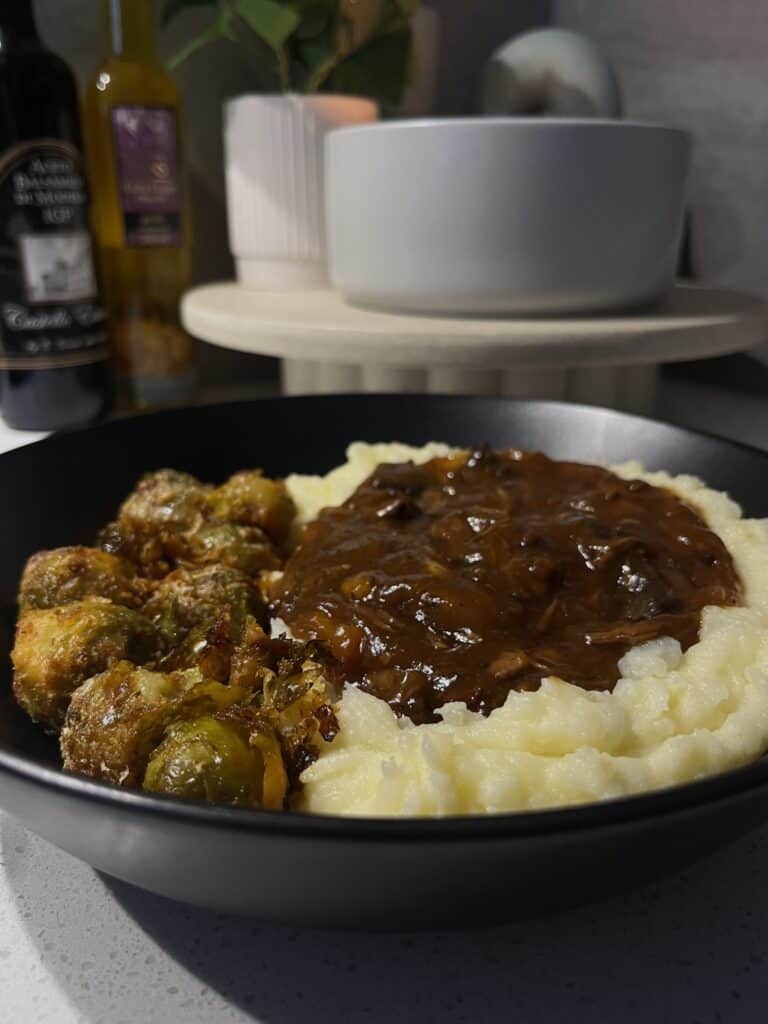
[{"x": 328, "y": 346}]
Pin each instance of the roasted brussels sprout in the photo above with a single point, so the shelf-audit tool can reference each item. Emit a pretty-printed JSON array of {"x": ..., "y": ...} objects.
[
  {"x": 231, "y": 758},
  {"x": 207, "y": 647},
  {"x": 56, "y": 649},
  {"x": 172, "y": 519},
  {"x": 246, "y": 548},
  {"x": 201, "y": 614},
  {"x": 166, "y": 500},
  {"x": 116, "y": 719},
  {"x": 297, "y": 686},
  {"x": 154, "y": 518},
  {"x": 69, "y": 574},
  {"x": 299, "y": 701},
  {"x": 191, "y": 597},
  {"x": 150, "y": 650},
  {"x": 254, "y": 500}
]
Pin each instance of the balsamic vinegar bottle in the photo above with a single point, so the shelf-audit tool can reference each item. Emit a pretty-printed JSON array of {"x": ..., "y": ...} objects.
[{"x": 53, "y": 371}]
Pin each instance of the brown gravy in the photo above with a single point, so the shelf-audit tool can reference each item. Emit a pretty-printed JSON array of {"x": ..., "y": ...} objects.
[{"x": 470, "y": 576}]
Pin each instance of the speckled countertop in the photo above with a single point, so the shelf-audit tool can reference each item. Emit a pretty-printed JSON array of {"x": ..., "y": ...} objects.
[{"x": 77, "y": 947}]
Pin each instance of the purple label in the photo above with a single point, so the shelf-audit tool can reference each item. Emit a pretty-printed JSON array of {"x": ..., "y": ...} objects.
[{"x": 147, "y": 150}]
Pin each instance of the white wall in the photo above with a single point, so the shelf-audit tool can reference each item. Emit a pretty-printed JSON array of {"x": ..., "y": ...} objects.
[{"x": 703, "y": 65}]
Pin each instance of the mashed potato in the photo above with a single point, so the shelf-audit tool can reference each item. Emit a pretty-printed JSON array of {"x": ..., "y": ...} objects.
[{"x": 672, "y": 717}]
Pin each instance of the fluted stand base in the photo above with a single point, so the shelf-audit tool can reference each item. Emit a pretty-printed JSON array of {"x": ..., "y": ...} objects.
[{"x": 631, "y": 388}]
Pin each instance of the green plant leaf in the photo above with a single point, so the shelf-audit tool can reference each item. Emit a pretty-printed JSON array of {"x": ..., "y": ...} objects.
[
  {"x": 379, "y": 70},
  {"x": 173, "y": 7},
  {"x": 317, "y": 52},
  {"x": 319, "y": 43},
  {"x": 265, "y": 65},
  {"x": 315, "y": 17},
  {"x": 271, "y": 21},
  {"x": 218, "y": 29}
]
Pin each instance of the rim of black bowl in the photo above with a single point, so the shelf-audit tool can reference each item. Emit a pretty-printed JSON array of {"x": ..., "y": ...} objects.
[
  {"x": 512, "y": 824},
  {"x": 688, "y": 796}
]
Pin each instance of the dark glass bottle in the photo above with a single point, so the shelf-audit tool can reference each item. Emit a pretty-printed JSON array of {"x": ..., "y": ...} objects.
[{"x": 53, "y": 371}]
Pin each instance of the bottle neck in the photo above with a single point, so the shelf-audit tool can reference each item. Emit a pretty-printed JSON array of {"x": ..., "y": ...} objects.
[
  {"x": 17, "y": 19},
  {"x": 129, "y": 28}
]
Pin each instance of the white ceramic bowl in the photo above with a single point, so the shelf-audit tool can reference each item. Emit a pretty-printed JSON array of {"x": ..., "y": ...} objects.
[{"x": 504, "y": 215}]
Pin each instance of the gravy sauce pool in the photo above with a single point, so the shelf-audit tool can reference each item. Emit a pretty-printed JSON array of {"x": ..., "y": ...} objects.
[{"x": 473, "y": 575}]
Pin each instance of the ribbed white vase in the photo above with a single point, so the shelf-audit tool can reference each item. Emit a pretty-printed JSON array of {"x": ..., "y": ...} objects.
[{"x": 274, "y": 173}]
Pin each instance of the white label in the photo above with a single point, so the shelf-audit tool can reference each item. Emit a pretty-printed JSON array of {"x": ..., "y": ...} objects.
[{"x": 58, "y": 267}]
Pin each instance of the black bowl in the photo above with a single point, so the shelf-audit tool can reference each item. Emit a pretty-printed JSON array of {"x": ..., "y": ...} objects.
[{"x": 328, "y": 870}]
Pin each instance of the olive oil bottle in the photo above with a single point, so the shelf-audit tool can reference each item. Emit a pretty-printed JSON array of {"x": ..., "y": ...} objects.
[
  {"x": 53, "y": 354},
  {"x": 141, "y": 208}
]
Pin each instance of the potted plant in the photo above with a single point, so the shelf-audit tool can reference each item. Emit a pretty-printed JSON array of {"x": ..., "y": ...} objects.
[{"x": 320, "y": 64}]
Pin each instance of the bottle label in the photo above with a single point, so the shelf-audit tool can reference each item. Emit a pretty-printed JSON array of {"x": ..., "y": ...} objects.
[
  {"x": 50, "y": 314},
  {"x": 147, "y": 152}
]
